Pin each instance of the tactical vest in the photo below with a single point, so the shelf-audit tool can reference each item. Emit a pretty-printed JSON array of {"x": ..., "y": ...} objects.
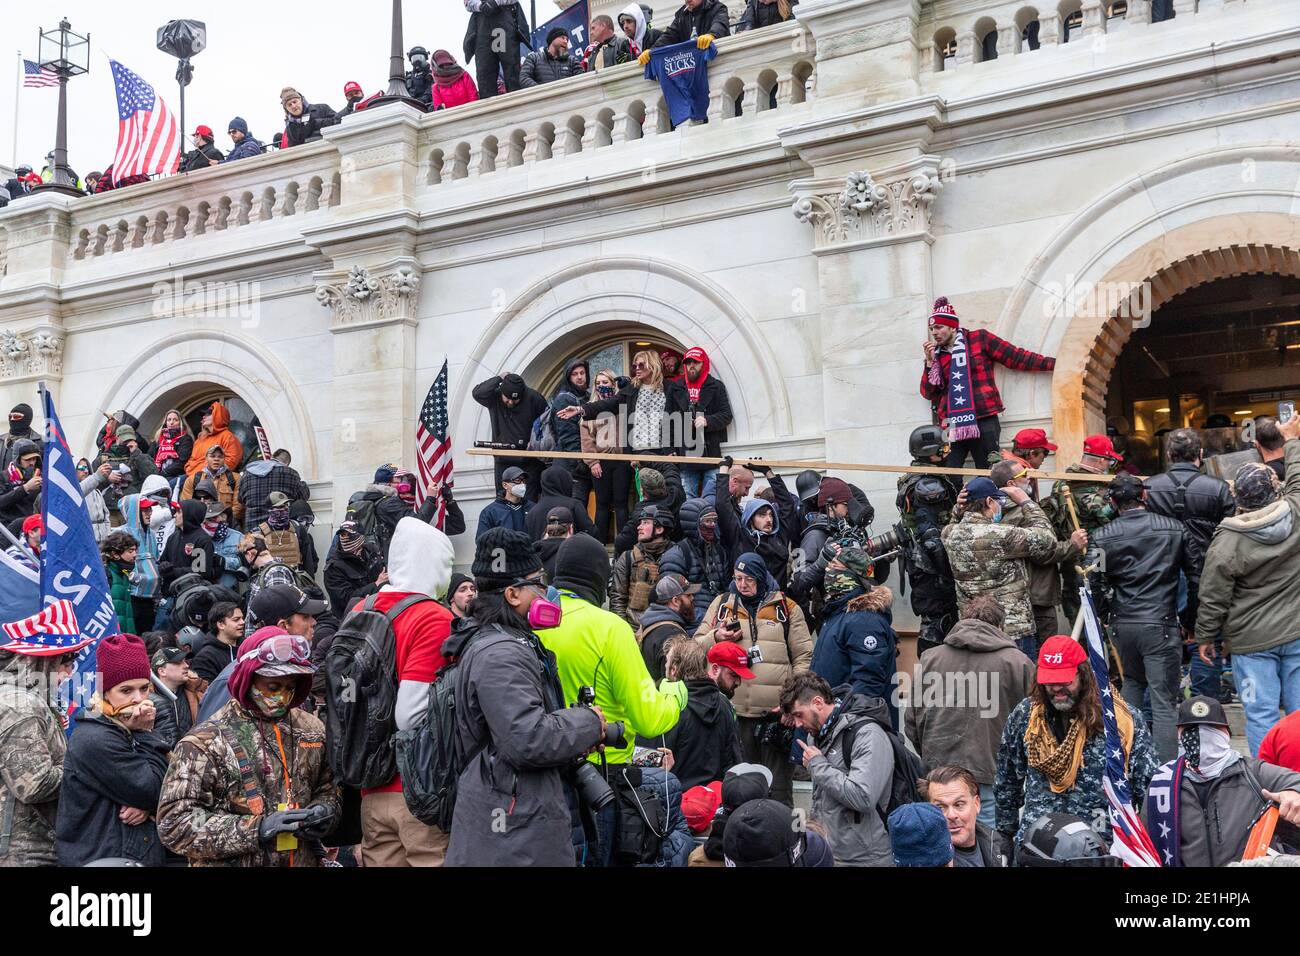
[
  {"x": 282, "y": 544},
  {"x": 642, "y": 580}
]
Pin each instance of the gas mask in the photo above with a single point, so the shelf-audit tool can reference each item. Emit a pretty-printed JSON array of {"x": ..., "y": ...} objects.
[{"x": 419, "y": 63}]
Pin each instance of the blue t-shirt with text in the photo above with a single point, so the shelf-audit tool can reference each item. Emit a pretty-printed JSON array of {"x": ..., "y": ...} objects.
[{"x": 683, "y": 73}]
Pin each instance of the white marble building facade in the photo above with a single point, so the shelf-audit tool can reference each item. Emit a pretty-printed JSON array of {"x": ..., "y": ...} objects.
[{"x": 799, "y": 242}]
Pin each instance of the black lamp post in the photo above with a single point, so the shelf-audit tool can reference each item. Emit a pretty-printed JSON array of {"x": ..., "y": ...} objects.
[
  {"x": 66, "y": 54},
  {"x": 183, "y": 39},
  {"x": 397, "y": 91}
]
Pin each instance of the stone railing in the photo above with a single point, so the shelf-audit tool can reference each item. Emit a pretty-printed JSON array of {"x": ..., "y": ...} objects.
[
  {"x": 967, "y": 37},
  {"x": 753, "y": 74},
  {"x": 299, "y": 183}
]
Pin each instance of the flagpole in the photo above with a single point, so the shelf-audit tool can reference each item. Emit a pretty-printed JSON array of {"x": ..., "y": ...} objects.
[
  {"x": 18, "y": 86},
  {"x": 22, "y": 545}
]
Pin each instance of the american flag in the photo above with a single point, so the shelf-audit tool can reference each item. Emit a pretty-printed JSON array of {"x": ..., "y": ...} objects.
[
  {"x": 1131, "y": 842},
  {"x": 34, "y": 75},
  {"x": 148, "y": 138},
  {"x": 433, "y": 444},
  {"x": 54, "y": 628}
]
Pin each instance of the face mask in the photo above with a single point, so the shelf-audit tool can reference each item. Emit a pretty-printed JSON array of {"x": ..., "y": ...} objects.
[
  {"x": 274, "y": 705},
  {"x": 544, "y": 612},
  {"x": 839, "y": 583},
  {"x": 605, "y": 391},
  {"x": 997, "y": 516},
  {"x": 708, "y": 532},
  {"x": 158, "y": 516},
  {"x": 1208, "y": 749},
  {"x": 405, "y": 490},
  {"x": 278, "y": 518},
  {"x": 519, "y": 491},
  {"x": 352, "y": 544}
]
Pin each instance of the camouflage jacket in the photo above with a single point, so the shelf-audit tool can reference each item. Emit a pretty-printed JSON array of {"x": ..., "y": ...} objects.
[
  {"x": 1091, "y": 501},
  {"x": 1018, "y": 785},
  {"x": 204, "y": 813},
  {"x": 32, "y": 748},
  {"x": 988, "y": 558},
  {"x": 1044, "y": 575}
]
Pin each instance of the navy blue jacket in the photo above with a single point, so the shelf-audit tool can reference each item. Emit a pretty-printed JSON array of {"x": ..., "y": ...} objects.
[
  {"x": 107, "y": 768},
  {"x": 501, "y": 514},
  {"x": 858, "y": 646}
]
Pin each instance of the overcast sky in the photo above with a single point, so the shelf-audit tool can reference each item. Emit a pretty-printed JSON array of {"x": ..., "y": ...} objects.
[{"x": 254, "y": 49}]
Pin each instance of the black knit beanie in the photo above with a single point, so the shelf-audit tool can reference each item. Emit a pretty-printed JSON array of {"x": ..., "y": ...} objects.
[{"x": 502, "y": 557}]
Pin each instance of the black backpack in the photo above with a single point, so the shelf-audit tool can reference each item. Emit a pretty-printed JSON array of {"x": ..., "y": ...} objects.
[
  {"x": 428, "y": 756},
  {"x": 907, "y": 766},
  {"x": 361, "y": 695}
]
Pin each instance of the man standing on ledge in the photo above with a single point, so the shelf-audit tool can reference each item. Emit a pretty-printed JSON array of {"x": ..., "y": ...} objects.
[{"x": 958, "y": 381}]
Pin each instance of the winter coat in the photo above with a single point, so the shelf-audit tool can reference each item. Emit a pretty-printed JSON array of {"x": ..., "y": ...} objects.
[
  {"x": 596, "y": 648},
  {"x": 987, "y": 558},
  {"x": 1203, "y": 502},
  {"x": 1018, "y": 785},
  {"x": 246, "y": 147},
  {"x": 692, "y": 557},
  {"x": 511, "y": 807},
  {"x": 715, "y": 406},
  {"x": 857, "y": 645},
  {"x": 227, "y": 485},
  {"x": 849, "y": 796},
  {"x": 32, "y": 751},
  {"x": 670, "y": 500},
  {"x": 198, "y": 158},
  {"x": 1215, "y": 816},
  {"x": 228, "y": 558},
  {"x": 709, "y": 17},
  {"x": 620, "y": 592},
  {"x": 9, "y": 439},
  {"x": 259, "y": 479},
  {"x": 211, "y": 659},
  {"x": 759, "y": 14},
  {"x": 345, "y": 574},
  {"x": 678, "y": 842},
  {"x": 500, "y": 513},
  {"x": 205, "y": 813},
  {"x": 16, "y": 502},
  {"x": 141, "y": 467},
  {"x": 513, "y": 426},
  {"x": 181, "y": 554},
  {"x": 145, "y": 578},
  {"x": 454, "y": 94},
  {"x": 174, "y": 718},
  {"x": 557, "y": 492},
  {"x": 782, "y": 655},
  {"x": 627, "y": 399},
  {"x": 540, "y": 67},
  {"x": 568, "y": 431},
  {"x": 522, "y": 29},
  {"x": 174, "y": 467},
  {"x": 305, "y": 128},
  {"x": 949, "y": 721},
  {"x": 773, "y": 547},
  {"x": 705, "y": 741},
  {"x": 1146, "y": 555},
  {"x": 221, "y": 435},
  {"x": 109, "y": 767},
  {"x": 1044, "y": 574},
  {"x": 119, "y": 588},
  {"x": 659, "y": 625},
  {"x": 1248, "y": 595}
]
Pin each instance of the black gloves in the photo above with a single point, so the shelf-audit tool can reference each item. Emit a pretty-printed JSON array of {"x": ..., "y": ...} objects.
[
  {"x": 756, "y": 465},
  {"x": 726, "y": 462},
  {"x": 292, "y": 821}
]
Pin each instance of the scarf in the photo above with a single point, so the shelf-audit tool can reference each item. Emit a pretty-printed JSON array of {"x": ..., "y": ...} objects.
[
  {"x": 217, "y": 530},
  {"x": 1059, "y": 761},
  {"x": 1163, "y": 809},
  {"x": 962, "y": 423},
  {"x": 693, "y": 387},
  {"x": 1207, "y": 751},
  {"x": 166, "y": 446},
  {"x": 446, "y": 72},
  {"x": 278, "y": 519}
]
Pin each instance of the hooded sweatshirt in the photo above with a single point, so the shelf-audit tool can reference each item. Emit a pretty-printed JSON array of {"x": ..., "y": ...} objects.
[
  {"x": 419, "y": 563},
  {"x": 557, "y": 491},
  {"x": 148, "y": 537},
  {"x": 634, "y": 11},
  {"x": 596, "y": 648},
  {"x": 705, "y": 741},
  {"x": 1247, "y": 594},
  {"x": 221, "y": 435},
  {"x": 181, "y": 553}
]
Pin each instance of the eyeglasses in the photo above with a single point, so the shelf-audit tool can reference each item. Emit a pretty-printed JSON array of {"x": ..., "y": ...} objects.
[
  {"x": 551, "y": 591},
  {"x": 281, "y": 649}
]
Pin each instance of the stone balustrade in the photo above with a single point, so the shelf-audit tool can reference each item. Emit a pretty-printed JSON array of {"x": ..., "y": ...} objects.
[
  {"x": 753, "y": 73},
  {"x": 951, "y": 36},
  {"x": 294, "y": 183}
]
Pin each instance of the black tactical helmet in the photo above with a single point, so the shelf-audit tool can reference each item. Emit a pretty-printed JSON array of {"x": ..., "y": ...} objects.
[
  {"x": 1063, "y": 839},
  {"x": 929, "y": 490},
  {"x": 660, "y": 516},
  {"x": 926, "y": 441},
  {"x": 417, "y": 50},
  {"x": 808, "y": 484}
]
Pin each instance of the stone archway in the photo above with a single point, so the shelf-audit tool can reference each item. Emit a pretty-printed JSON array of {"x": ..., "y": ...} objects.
[
  {"x": 179, "y": 366},
  {"x": 559, "y": 311}
]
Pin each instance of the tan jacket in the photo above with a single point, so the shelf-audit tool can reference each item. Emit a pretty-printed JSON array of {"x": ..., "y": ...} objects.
[
  {"x": 227, "y": 492},
  {"x": 781, "y": 656}
]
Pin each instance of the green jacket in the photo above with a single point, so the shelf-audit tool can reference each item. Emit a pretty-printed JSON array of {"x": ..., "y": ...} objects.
[
  {"x": 597, "y": 648},
  {"x": 1091, "y": 501},
  {"x": 119, "y": 586},
  {"x": 1248, "y": 592}
]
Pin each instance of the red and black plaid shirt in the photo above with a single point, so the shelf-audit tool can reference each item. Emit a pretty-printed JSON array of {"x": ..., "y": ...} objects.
[{"x": 983, "y": 348}]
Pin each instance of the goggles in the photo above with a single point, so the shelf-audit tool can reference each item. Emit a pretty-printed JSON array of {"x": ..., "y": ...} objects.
[{"x": 281, "y": 649}]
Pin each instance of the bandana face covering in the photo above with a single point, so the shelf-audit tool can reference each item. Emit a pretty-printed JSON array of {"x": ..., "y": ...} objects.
[
  {"x": 273, "y": 706},
  {"x": 278, "y": 519},
  {"x": 353, "y": 544},
  {"x": 1208, "y": 750}
]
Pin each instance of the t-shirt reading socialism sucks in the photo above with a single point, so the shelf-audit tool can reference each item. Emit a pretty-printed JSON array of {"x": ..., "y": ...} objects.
[{"x": 683, "y": 73}]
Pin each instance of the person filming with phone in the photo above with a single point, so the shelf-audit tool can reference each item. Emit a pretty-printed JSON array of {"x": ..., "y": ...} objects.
[{"x": 20, "y": 495}]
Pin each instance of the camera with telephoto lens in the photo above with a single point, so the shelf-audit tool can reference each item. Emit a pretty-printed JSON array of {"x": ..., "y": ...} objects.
[
  {"x": 613, "y": 730},
  {"x": 884, "y": 546},
  {"x": 593, "y": 789}
]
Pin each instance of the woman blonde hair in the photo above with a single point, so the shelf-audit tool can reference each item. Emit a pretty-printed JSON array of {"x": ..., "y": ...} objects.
[
  {"x": 157, "y": 436},
  {"x": 656, "y": 365}
]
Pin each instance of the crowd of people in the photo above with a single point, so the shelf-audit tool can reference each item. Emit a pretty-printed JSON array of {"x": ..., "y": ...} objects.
[
  {"x": 437, "y": 81},
  {"x": 646, "y": 657}
]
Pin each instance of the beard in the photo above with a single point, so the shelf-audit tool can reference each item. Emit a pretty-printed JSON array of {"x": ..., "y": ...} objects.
[{"x": 1064, "y": 706}]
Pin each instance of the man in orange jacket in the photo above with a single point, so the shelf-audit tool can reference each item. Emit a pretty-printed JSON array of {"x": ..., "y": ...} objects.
[{"x": 215, "y": 431}]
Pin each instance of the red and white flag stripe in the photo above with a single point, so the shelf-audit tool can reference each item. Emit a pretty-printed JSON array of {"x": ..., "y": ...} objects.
[{"x": 57, "y": 618}]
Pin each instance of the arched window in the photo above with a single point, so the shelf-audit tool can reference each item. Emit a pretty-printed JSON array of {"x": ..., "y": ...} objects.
[
  {"x": 986, "y": 38},
  {"x": 945, "y": 48}
]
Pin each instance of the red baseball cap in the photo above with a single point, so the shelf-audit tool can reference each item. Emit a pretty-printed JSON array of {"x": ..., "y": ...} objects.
[
  {"x": 732, "y": 656},
  {"x": 1059, "y": 658},
  {"x": 700, "y": 805},
  {"x": 1100, "y": 446},
  {"x": 1028, "y": 438},
  {"x": 351, "y": 85},
  {"x": 203, "y": 131},
  {"x": 32, "y": 523}
]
